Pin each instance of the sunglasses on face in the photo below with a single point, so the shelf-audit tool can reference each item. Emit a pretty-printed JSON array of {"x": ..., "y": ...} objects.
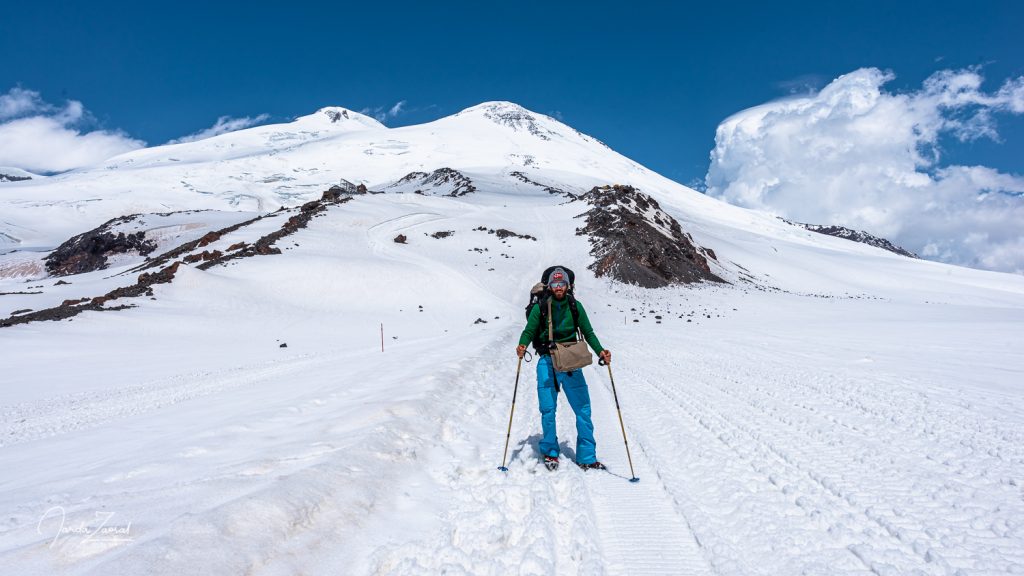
[{"x": 556, "y": 285}]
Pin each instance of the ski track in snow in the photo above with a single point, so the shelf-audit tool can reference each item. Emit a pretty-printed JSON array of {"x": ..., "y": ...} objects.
[{"x": 821, "y": 468}]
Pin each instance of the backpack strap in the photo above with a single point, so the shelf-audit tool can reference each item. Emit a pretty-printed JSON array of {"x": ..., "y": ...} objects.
[
  {"x": 551, "y": 330},
  {"x": 575, "y": 316},
  {"x": 542, "y": 312},
  {"x": 542, "y": 304}
]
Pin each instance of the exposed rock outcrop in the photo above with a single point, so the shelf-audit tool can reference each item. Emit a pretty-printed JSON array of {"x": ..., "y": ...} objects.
[
  {"x": 265, "y": 245},
  {"x": 634, "y": 241},
  {"x": 502, "y": 233},
  {"x": 855, "y": 236},
  {"x": 440, "y": 182},
  {"x": 513, "y": 116},
  {"x": 336, "y": 115},
  {"x": 89, "y": 251},
  {"x": 549, "y": 189}
]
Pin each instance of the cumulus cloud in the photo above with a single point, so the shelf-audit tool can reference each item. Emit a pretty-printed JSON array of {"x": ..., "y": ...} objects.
[
  {"x": 223, "y": 125},
  {"x": 382, "y": 113},
  {"x": 40, "y": 137},
  {"x": 857, "y": 155}
]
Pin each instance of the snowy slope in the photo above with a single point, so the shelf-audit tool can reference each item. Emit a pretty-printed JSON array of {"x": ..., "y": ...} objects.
[
  {"x": 10, "y": 174},
  {"x": 837, "y": 409},
  {"x": 265, "y": 167}
]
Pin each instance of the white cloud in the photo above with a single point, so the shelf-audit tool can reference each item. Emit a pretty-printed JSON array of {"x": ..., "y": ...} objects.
[
  {"x": 396, "y": 109},
  {"x": 856, "y": 155},
  {"x": 223, "y": 125},
  {"x": 19, "y": 102},
  {"x": 382, "y": 114},
  {"x": 40, "y": 137}
]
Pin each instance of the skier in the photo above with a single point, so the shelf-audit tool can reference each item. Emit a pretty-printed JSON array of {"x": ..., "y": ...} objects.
[{"x": 549, "y": 381}]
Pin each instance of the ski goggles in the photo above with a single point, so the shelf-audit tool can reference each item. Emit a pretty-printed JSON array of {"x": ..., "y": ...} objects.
[{"x": 559, "y": 284}]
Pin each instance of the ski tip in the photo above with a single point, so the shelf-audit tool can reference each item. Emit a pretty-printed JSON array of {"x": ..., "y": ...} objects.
[
  {"x": 503, "y": 469},
  {"x": 634, "y": 479}
]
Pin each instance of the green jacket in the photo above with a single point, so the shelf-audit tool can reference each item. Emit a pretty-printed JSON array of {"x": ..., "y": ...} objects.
[{"x": 561, "y": 318}]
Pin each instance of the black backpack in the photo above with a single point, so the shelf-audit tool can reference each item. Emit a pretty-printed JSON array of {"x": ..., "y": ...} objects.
[{"x": 539, "y": 295}]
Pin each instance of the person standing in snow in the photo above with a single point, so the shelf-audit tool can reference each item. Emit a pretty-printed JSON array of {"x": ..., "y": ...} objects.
[{"x": 549, "y": 381}]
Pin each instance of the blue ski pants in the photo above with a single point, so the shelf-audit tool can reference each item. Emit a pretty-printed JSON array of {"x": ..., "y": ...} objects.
[{"x": 576, "y": 392}]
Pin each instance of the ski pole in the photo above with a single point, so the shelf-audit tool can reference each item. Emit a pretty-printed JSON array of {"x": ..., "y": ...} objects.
[
  {"x": 513, "y": 411},
  {"x": 621, "y": 425}
]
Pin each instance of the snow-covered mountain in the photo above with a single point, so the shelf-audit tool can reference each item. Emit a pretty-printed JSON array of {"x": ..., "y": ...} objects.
[{"x": 288, "y": 349}]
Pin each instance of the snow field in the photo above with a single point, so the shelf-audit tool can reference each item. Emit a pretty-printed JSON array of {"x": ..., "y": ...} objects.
[
  {"x": 776, "y": 433},
  {"x": 834, "y": 464}
]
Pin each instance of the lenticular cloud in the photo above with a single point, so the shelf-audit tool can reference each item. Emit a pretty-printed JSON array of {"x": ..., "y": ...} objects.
[{"x": 856, "y": 155}]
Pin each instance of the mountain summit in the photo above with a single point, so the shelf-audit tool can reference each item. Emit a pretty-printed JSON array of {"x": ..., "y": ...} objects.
[
  {"x": 341, "y": 118},
  {"x": 494, "y": 149}
]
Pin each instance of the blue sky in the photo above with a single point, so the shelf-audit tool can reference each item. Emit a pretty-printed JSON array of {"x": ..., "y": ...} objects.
[
  {"x": 652, "y": 80},
  {"x": 905, "y": 119}
]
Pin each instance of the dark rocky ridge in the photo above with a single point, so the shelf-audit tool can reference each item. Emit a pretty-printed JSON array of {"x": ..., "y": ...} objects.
[
  {"x": 145, "y": 281},
  {"x": 549, "y": 189},
  {"x": 460, "y": 183},
  {"x": 265, "y": 245},
  {"x": 89, "y": 251},
  {"x": 635, "y": 242},
  {"x": 855, "y": 236},
  {"x": 13, "y": 178},
  {"x": 207, "y": 239}
]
